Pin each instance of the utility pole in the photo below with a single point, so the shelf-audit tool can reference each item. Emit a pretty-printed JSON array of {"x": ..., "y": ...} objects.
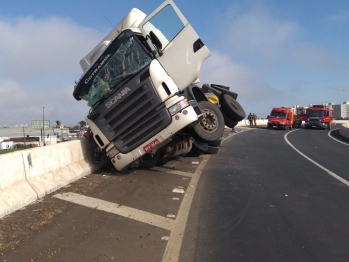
[
  {"x": 25, "y": 146},
  {"x": 43, "y": 125}
]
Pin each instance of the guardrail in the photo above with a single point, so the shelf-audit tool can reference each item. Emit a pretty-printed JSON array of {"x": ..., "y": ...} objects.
[{"x": 30, "y": 174}]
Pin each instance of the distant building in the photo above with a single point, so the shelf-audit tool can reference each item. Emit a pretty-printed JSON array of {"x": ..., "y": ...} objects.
[{"x": 341, "y": 110}]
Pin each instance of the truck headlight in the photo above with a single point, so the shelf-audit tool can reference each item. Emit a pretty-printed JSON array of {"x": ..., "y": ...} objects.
[
  {"x": 269, "y": 122},
  {"x": 282, "y": 123},
  {"x": 178, "y": 107}
]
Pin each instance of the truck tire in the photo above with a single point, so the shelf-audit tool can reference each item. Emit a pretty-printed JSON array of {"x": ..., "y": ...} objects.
[
  {"x": 215, "y": 143},
  {"x": 232, "y": 108},
  {"x": 211, "y": 127},
  {"x": 212, "y": 150},
  {"x": 198, "y": 148},
  {"x": 228, "y": 122}
]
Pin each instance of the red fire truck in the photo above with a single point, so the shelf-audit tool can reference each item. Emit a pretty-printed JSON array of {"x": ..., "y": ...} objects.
[
  {"x": 300, "y": 116},
  {"x": 319, "y": 116}
]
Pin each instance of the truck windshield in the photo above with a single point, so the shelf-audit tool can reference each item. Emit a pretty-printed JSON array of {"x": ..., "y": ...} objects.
[
  {"x": 316, "y": 113},
  {"x": 278, "y": 114},
  {"x": 126, "y": 62}
]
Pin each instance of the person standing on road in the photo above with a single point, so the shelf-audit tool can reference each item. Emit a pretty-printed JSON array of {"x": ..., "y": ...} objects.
[
  {"x": 255, "y": 119},
  {"x": 250, "y": 118}
]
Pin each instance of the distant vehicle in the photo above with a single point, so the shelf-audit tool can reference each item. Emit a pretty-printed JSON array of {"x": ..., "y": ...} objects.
[
  {"x": 300, "y": 116},
  {"x": 281, "y": 118},
  {"x": 74, "y": 133},
  {"x": 319, "y": 116}
]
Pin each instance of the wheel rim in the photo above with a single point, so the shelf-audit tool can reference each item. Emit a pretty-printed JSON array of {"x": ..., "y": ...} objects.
[{"x": 209, "y": 121}]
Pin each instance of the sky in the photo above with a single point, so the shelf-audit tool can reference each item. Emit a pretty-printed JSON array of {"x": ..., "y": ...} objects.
[{"x": 272, "y": 53}]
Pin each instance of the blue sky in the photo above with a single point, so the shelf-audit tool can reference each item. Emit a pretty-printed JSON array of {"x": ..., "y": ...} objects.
[{"x": 272, "y": 53}]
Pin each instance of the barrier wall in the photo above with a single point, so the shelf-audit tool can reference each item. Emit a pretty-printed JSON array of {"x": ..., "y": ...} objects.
[
  {"x": 344, "y": 130},
  {"x": 30, "y": 174}
]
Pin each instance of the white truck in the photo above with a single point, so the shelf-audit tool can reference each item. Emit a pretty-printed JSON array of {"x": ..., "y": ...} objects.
[{"x": 139, "y": 82}]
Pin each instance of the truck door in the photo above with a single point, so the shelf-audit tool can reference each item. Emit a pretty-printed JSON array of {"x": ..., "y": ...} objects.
[{"x": 178, "y": 47}]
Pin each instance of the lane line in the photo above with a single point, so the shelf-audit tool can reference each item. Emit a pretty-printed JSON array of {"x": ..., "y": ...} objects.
[
  {"x": 174, "y": 243},
  {"x": 175, "y": 172},
  {"x": 315, "y": 163},
  {"x": 329, "y": 134},
  {"x": 124, "y": 211}
]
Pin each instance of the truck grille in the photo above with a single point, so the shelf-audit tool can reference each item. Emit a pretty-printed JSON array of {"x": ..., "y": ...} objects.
[
  {"x": 314, "y": 121},
  {"x": 133, "y": 118}
]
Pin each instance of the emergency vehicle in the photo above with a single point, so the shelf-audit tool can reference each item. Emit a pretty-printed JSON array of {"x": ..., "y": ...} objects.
[
  {"x": 281, "y": 118},
  {"x": 300, "y": 116},
  {"x": 319, "y": 116}
]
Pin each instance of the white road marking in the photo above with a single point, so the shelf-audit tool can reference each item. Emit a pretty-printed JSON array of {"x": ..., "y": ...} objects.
[
  {"x": 175, "y": 172},
  {"x": 174, "y": 244},
  {"x": 129, "y": 212},
  {"x": 315, "y": 163},
  {"x": 329, "y": 134},
  {"x": 178, "y": 190}
]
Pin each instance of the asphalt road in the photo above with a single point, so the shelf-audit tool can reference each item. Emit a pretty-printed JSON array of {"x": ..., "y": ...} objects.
[
  {"x": 260, "y": 200},
  {"x": 256, "y": 200}
]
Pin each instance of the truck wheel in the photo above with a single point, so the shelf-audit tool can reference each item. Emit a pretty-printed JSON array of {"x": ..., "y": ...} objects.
[
  {"x": 232, "y": 108},
  {"x": 228, "y": 122},
  {"x": 212, "y": 150},
  {"x": 215, "y": 143},
  {"x": 149, "y": 161},
  {"x": 198, "y": 148},
  {"x": 211, "y": 127}
]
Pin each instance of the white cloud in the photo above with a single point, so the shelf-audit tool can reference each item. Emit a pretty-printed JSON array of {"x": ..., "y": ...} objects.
[
  {"x": 219, "y": 69},
  {"x": 39, "y": 62},
  {"x": 257, "y": 33},
  {"x": 340, "y": 17}
]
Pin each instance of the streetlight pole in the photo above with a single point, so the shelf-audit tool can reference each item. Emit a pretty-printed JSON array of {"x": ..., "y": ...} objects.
[{"x": 43, "y": 124}]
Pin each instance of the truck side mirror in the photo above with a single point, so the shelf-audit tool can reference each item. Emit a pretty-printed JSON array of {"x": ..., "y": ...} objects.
[
  {"x": 155, "y": 40},
  {"x": 267, "y": 116}
]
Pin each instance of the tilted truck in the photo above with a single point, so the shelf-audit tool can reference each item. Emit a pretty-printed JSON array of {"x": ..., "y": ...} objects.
[
  {"x": 319, "y": 116},
  {"x": 140, "y": 84},
  {"x": 281, "y": 118}
]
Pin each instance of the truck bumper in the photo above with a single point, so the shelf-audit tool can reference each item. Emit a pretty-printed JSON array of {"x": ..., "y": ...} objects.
[
  {"x": 179, "y": 121},
  {"x": 276, "y": 126},
  {"x": 316, "y": 125}
]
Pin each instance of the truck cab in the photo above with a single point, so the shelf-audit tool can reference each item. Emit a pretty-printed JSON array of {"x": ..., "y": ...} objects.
[
  {"x": 319, "y": 116},
  {"x": 138, "y": 82},
  {"x": 280, "y": 118}
]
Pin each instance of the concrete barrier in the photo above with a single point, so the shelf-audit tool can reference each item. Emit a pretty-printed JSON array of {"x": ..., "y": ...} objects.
[
  {"x": 15, "y": 192},
  {"x": 30, "y": 174},
  {"x": 344, "y": 130}
]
